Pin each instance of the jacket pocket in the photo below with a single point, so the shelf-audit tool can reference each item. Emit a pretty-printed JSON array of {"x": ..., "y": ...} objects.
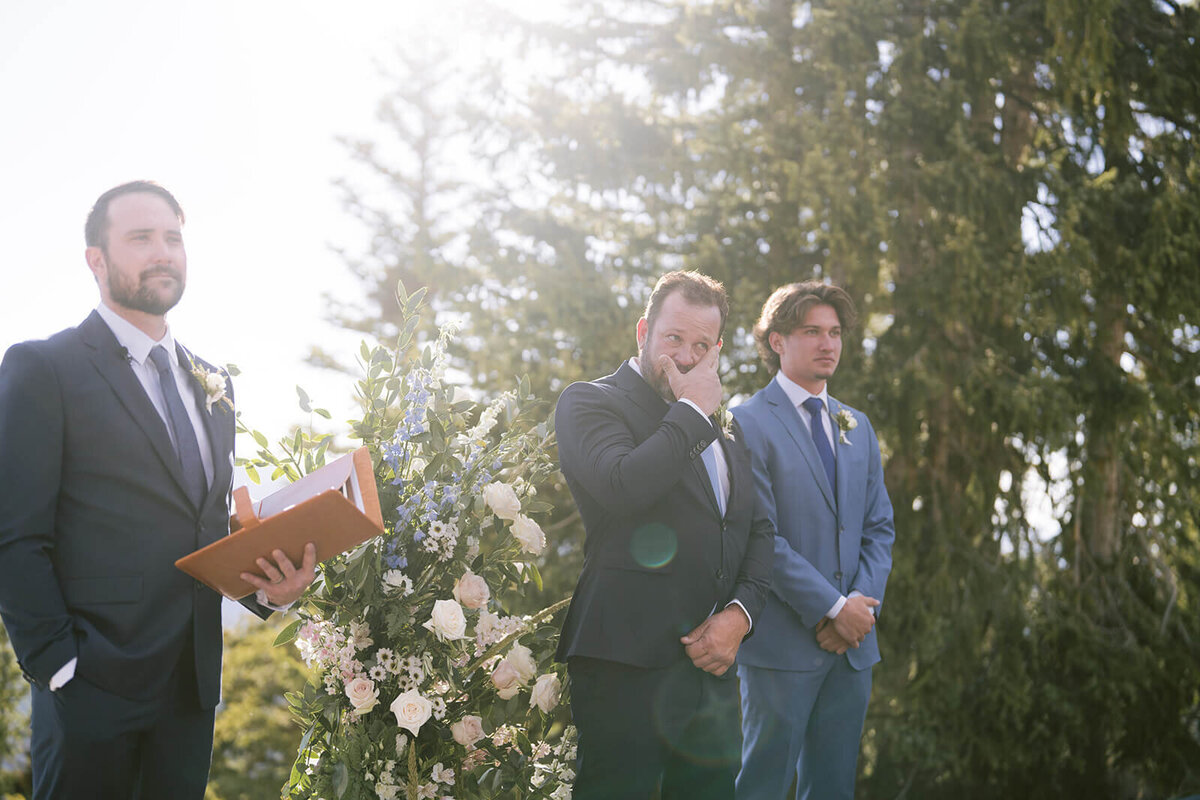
[{"x": 99, "y": 590}]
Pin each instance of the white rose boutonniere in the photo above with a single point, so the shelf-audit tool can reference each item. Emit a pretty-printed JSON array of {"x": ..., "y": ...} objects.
[
  {"x": 724, "y": 421},
  {"x": 214, "y": 385},
  {"x": 846, "y": 423}
]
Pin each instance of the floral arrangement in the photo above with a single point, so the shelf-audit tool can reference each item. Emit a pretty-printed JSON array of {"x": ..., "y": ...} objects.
[{"x": 425, "y": 686}]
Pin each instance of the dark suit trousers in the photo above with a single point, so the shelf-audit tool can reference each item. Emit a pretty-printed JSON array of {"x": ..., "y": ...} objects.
[
  {"x": 673, "y": 730},
  {"x": 90, "y": 743}
]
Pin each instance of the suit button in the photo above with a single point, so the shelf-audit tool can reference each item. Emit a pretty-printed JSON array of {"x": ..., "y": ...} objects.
[
  {"x": 720, "y": 574},
  {"x": 198, "y": 585},
  {"x": 837, "y": 576}
]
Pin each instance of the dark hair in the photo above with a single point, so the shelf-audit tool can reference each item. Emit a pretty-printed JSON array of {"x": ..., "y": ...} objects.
[
  {"x": 787, "y": 307},
  {"x": 697, "y": 289},
  {"x": 95, "y": 230}
]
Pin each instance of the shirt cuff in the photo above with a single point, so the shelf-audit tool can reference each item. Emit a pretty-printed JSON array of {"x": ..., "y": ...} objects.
[
  {"x": 64, "y": 675},
  {"x": 261, "y": 597},
  {"x": 837, "y": 608},
  {"x": 749, "y": 618}
]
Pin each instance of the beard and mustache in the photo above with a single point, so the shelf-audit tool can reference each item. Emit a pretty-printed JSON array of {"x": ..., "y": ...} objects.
[{"x": 142, "y": 295}]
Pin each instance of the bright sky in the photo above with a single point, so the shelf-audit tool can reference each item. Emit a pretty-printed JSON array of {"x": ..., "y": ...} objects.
[{"x": 234, "y": 106}]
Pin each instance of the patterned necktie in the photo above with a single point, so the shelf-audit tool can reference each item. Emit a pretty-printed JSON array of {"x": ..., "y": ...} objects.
[
  {"x": 814, "y": 407},
  {"x": 186, "y": 446},
  {"x": 710, "y": 463}
]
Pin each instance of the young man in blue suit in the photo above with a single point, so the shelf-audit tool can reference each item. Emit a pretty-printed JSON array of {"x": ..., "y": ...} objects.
[
  {"x": 115, "y": 464},
  {"x": 806, "y": 675},
  {"x": 676, "y": 560}
]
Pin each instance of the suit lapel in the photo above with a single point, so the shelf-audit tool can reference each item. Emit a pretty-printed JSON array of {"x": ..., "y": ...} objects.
[
  {"x": 645, "y": 398},
  {"x": 110, "y": 361},
  {"x": 841, "y": 458},
  {"x": 215, "y": 425},
  {"x": 789, "y": 417}
]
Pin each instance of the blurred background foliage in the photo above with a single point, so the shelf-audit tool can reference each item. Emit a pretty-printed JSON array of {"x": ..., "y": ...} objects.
[{"x": 1009, "y": 190}]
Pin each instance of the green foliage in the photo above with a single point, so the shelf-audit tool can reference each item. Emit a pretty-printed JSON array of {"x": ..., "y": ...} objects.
[
  {"x": 15, "y": 775},
  {"x": 1009, "y": 191},
  {"x": 255, "y": 739},
  {"x": 384, "y": 627}
]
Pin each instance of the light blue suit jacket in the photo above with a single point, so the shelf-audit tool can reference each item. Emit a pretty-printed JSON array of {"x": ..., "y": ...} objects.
[{"x": 825, "y": 547}]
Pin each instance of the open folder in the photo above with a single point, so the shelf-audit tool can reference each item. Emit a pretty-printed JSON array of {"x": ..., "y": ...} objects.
[{"x": 335, "y": 507}]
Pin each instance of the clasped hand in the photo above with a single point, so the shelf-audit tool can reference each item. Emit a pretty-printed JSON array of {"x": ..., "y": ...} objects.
[
  {"x": 701, "y": 384},
  {"x": 284, "y": 582},
  {"x": 714, "y": 643},
  {"x": 849, "y": 627}
]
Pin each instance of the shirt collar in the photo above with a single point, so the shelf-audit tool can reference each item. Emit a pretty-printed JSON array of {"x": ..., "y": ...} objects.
[
  {"x": 135, "y": 341},
  {"x": 797, "y": 394},
  {"x": 636, "y": 365}
]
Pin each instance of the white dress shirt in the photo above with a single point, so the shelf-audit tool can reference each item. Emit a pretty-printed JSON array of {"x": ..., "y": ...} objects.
[
  {"x": 797, "y": 394},
  {"x": 722, "y": 474}
]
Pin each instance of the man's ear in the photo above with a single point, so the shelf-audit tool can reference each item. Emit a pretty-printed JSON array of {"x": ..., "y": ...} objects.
[
  {"x": 775, "y": 339},
  {"x": 643, "y": 332},
  {"x": 96, "y": 261}
]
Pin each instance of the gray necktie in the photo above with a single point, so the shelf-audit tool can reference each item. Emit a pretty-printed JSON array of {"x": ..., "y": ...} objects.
[{"x": 186, "y": 446}]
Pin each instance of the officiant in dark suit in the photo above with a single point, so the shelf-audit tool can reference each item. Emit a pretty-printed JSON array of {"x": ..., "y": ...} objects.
[
  {"x": 676, "y": 560},
  {"x": 117, "y": 459}
]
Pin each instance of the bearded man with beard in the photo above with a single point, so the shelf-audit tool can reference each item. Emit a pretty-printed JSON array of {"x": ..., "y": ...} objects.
[
  {"x": 115, "y": 465},
  {"x": 677, "y": 559}
]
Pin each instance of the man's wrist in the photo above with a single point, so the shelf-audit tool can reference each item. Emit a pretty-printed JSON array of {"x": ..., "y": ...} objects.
[{"x": 745, "y": 613}]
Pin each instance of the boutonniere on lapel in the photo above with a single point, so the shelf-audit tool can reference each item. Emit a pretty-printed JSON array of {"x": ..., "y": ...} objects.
[
  {"x": 213, "y": 384},
  {"x": 724, "y": 421},
  {"x": 846, "y": 423}
]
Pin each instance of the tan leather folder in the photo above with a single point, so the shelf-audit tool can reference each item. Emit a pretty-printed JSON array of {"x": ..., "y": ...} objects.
[{"x": 336, "y": 507}]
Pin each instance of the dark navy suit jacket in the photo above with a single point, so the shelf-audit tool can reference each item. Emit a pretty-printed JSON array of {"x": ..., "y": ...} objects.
[
  {"x": 93, "y": 515},
  {"x": 658, "y": 557}
]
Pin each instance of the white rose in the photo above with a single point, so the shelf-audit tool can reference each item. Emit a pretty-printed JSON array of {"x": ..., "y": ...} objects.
[
  {"x": 546, "y": 692},
  {"x": 468, "y": 730},
  {"x": 522, "y": 661},
  {"x": 396, "y": 581},
  {"x": 506, "y": 680},
  {"x": 502, "y": 500},
  {"x": 362, "y": 695},
  {"x": 529, "y": 534},
  {"x": 471, "y": 590},
  {"x": 214, "y": 382},
  {"x": 447, "y": 621},
  {"x": 412, "y": 711}
]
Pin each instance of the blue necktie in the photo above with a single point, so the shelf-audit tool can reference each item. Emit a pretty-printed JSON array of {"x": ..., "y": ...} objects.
[
  {"x": 814, "y": 407},
  {"x": 186, "y": 446},
  {"x": 710, "y": 463}
]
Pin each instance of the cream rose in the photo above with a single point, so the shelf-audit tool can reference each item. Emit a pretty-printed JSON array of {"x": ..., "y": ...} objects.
[
  {"x": 546, "y": 692},
  {"x": 214, "y": 382},
  {"x": 502, "y": 500},
  {"x": 522, "y": 661},
  {"x": 471, "y": 590},
  {"x": 529, "y": 534},
  {"x": 468, "y": 730},
  {"x": 447, "y": 621},
  {"x": 506, "y": 680},
  {"x": 362, "y": 695},
  {"x": 411, "y": 710}
]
